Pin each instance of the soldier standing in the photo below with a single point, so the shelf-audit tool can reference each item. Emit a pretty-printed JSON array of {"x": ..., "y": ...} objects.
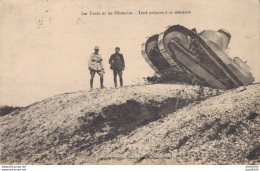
[
  {"x": 117, "y": 65},
  {"x": 95, "y": 64}
]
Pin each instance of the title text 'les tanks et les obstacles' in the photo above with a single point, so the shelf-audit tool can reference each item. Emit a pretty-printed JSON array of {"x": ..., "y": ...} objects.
[{"x": 131, "y": 13}]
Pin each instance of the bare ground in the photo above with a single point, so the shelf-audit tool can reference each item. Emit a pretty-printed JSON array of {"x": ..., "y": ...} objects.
[{"x": 150, "y": 124}]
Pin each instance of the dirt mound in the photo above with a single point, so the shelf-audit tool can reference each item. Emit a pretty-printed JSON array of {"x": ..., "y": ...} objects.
[
  {"x": 220, "y": 130},
  {"x": 149, "y": 124},
  {"x": 57, "y": 129}
]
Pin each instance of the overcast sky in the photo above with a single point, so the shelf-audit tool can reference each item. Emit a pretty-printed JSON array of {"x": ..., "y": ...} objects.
[{"x": 45, "y": 45}]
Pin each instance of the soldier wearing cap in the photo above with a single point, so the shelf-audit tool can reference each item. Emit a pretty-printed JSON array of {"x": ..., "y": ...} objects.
[
  {"x": 95, "y": 64},
  {"x": 117, "y": 65}
]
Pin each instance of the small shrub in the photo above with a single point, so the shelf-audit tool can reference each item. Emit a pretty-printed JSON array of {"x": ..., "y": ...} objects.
[{"x": 4, "y": 110}]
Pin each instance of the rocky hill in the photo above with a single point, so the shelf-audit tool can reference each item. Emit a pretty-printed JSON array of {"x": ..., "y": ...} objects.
[{"x": 148, "y": 124}]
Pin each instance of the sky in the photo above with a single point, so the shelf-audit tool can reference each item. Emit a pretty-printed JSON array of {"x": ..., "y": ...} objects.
[{"x": 45, "y": 45}]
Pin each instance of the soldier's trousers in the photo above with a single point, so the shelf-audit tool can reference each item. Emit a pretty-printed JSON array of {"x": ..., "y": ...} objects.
[{"x": 120, "y": 74}]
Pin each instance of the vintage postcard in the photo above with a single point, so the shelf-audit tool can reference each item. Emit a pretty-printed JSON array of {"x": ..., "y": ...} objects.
[{"x": 131, "y": 82}]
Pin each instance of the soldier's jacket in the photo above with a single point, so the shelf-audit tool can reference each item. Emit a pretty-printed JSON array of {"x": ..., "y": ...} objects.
[
  {"x": 117, "y": 61},
  {"x": 95, "y": 62}
]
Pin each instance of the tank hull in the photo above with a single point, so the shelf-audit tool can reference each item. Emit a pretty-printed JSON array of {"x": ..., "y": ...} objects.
[{"x": 202, "y": 55}]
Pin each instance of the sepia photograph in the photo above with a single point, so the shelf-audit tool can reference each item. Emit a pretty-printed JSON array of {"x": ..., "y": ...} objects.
[{"x": 130, "y": 82}]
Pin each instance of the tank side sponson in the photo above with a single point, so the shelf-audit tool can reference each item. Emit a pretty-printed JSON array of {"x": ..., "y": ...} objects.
[
  {"x": 212, "y": 55},
  {"x": 244, "y": 77},
  {"x": 193, "y": 66}
]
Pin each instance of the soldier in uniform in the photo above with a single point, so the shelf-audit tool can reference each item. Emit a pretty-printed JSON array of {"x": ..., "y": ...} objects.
[
  {"x": 117, "y": 65},
  {"x": 95, "y": 64}
]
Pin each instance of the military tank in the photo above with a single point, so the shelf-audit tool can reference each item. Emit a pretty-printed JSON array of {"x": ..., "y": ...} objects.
[{"x": 198, "y": 56}]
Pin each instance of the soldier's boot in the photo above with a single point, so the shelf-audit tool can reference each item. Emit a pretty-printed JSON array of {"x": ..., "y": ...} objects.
[
  {"x": 101, "y": 83},
  {"x": 91, "y": 83}
]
